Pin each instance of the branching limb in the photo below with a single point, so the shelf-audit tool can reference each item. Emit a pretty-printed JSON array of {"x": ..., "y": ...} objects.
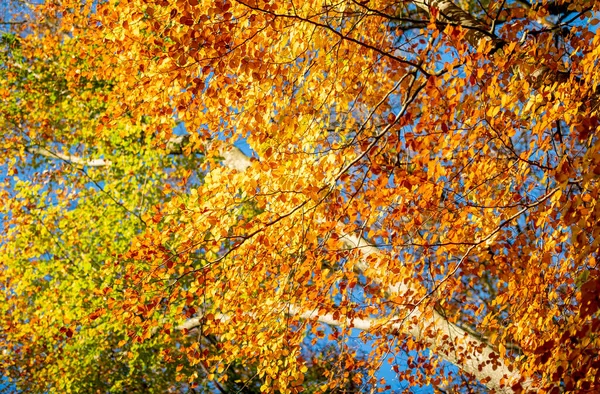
[
  {"x": 174, "y": 146},
  {"x": 428, "y": 327},
  {"x": 71, "y": 159}
]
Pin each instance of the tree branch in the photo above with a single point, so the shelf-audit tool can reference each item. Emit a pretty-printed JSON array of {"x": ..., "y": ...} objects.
[
  {"x": 174, "y": 146},
  {"x": 451, "y": 13},
  {"x": 71, "y": 159},
  {"x": 444, "y": 338},
  {"x": 447, "y": 340}
]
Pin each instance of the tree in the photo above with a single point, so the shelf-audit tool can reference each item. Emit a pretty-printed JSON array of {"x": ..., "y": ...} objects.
[{"x": 422, "y": 177}]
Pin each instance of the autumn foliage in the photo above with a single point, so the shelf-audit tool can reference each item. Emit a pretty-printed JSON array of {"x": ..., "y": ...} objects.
[{"x": 295, "y": 196}]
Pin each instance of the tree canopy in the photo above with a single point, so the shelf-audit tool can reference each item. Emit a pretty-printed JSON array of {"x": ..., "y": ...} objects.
[{"x": 251, "y": 195}]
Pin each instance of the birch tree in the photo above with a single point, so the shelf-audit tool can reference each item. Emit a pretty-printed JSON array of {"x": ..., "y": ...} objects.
[{"x": 418, "y": 178}]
